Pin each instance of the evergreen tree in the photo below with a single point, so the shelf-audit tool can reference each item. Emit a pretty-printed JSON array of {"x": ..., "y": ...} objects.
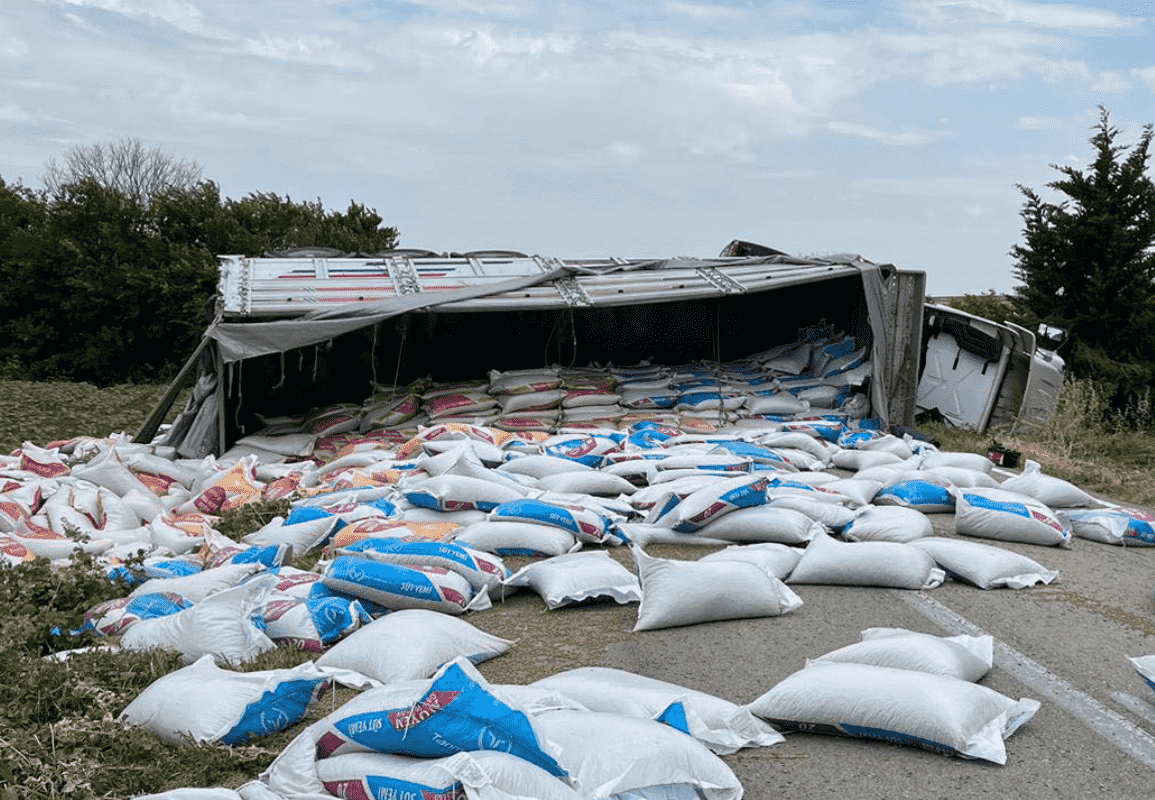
[{"x": 1087, "y": 262}]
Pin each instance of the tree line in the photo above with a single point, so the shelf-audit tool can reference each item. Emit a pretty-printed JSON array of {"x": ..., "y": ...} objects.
[{"x": 106, "y": 274}]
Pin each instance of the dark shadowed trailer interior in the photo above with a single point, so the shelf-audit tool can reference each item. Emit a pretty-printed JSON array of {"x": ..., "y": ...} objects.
[{"x": 295, "y": 333}]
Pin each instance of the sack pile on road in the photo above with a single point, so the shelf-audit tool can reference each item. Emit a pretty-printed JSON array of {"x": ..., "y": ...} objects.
[{"x": 408, "y": 538}]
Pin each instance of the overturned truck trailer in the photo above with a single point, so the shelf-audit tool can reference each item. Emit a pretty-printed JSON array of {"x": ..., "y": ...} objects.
[{"x": 293, "y": 335}]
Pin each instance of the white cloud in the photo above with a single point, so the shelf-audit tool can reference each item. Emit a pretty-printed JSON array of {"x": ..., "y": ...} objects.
[
  {"x": 1111, "y": 82},
  {"x": 704, "y": 11},
  {"x": 181, "y": 15},
  {"x": 800, "y": 174},
  {"x": 1065, "y": 16},
  {"x": 1038, "y": 123},
  {"x": 12, "y": 113},
  {"x": 903, "y": 138},
  {"x": 13, "y": 48},
  {"x": 500, "y": 8},
  {"x": 318, "y": 50},
  {"x": 944, "y": 186},
  {"x": 623, "y": 152},
  {"x": 485, "y": 45},
  {"x": 1145, "y": 74}
]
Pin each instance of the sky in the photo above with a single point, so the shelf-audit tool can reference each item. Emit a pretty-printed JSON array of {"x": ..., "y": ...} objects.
[{"x": 898, "y": 130}]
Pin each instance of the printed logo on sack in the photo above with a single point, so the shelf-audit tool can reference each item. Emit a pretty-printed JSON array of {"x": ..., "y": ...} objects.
[
  {"x": 275, "y": 609},
  {"x": 583, "y": 448},
  {"x": 453, "y": 597},
  {"x": 489, "y": 566},
  {"x": 274, "y": 719},
  {"x": 590, "y": 529},
  {"x": 373, "y": 525},
  {"x": 14, "y": 549},
  {"x": 714, "y": 508},
  {"x": 1046, "y": 519},
  {"x": 423, "y": 710},
  {"x": 1141, "y": 530},
  {"x": 289, "y": 581},
  {"x": 211, "y": 499}
]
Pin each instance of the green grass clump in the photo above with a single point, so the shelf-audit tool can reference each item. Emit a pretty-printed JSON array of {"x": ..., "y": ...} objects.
[
  {"x": 58, "y": 716},
  {"x": 250, "y": 517}
]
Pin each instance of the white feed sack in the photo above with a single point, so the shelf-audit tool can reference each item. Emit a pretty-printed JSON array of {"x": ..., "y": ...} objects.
[
  {"x": 639, "y": 471},
  {"x": 216, "y": 793},
  {"x": 610, "y": 754},
  {"x": 917, "y": 489},
  {"x": 889, "y": 443},
  {"x": 723, "y": 726},
  {"x": 964, "y": 478},
  {"x": 834, "y": 516},
  {"x": 411, "y": 644},
  {"x": 458, "y": 492},
  {"x": 481, "y": 775},
  {"x": 311, "y": 624},
  {"x": 204, "y": 703},
  {"x": 887, "y": 524},
  {"x": 941, "y": 714},
  {"x": 516, "y": 538},
  {"x": 973, "y": 461},
  {"x": 778, "y": 559},
  {"x": 454, "y": 711},
  {"x": 688, "y": 592},
  {"x": 1048, "y": 490},
  {"x": 1145, "y": 666},
  {"x": 883, "y": 473},
  {"x": 984, "y": 565},
  {"x": 890, "y": 564},
  {"x": 1009, "y": 517},
  {"x": 398, "y": 586},
  {"x": 771, "y": 523},
  {"x": 786, "y": 486},
  {"x": 679, "y": 482},
  {"x": 111, "y": 473},
  {"x": 967, "y": 658},
  {"x": 579, "y": 515},
  {"x": 541, "y": 466},
  {"x": 221, "y": 625},
  {"x": 300, "y": 536},
  {"x": 822, "y": 452},
  {"x": 578, "y": 577},
  {"x": 858, "y": 460},
  {"x": 697, "y": 509},
  {"x": 857, "y": 491},
  {"x": 1133, "y": 527},
  {"x": 483, "y": 571},
  {"x": 642, "y": 535},
  {"x": 592, "y": 483},
  {"x": 198, "y": 586}
]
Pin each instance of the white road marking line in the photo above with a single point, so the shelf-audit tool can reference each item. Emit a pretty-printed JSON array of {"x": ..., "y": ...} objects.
[
  {"x": 1107, "y": 723},
  {"x": 1141, "y": 707}
]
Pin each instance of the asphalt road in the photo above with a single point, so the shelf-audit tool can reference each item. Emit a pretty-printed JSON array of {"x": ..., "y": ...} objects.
[{"x": 1064, "y": 645}]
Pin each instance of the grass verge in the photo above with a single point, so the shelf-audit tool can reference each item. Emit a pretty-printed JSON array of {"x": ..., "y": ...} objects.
[{"x": 43, "y": 412}]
